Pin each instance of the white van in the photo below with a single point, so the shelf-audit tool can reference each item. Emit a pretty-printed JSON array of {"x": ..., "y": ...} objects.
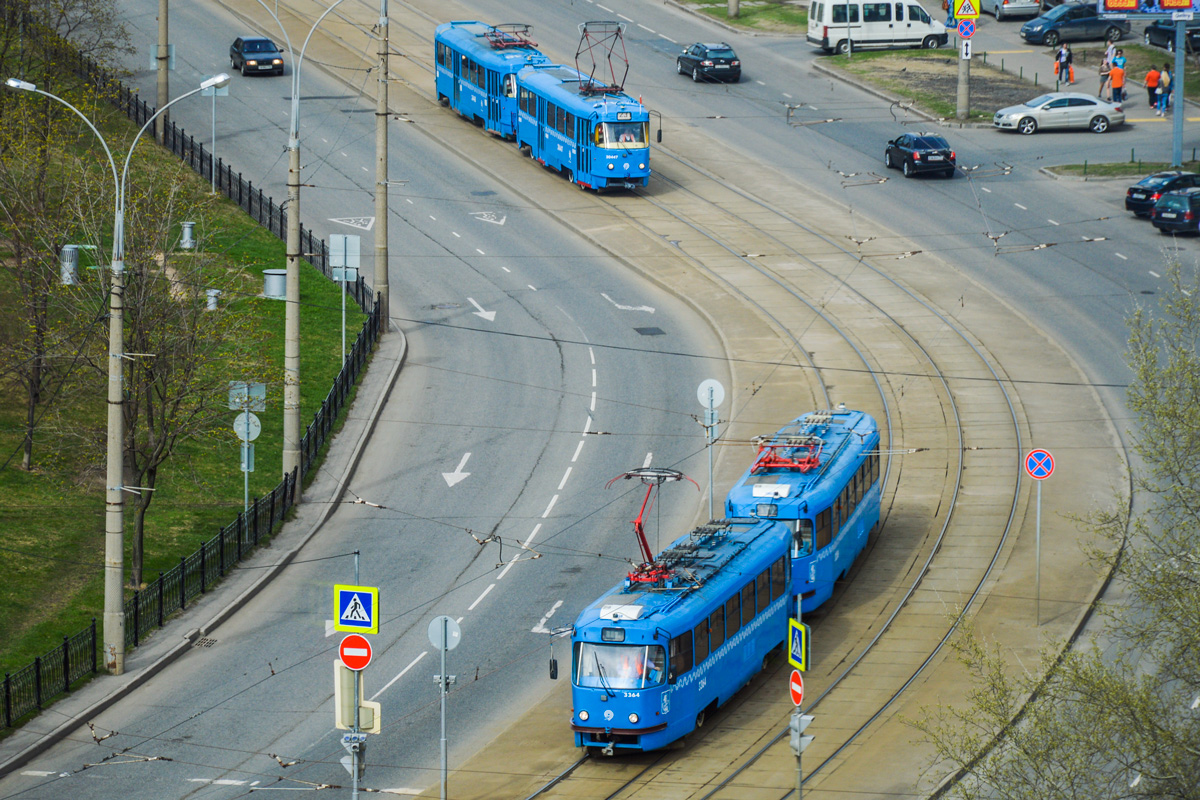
[{"x": 836, "y": 26}]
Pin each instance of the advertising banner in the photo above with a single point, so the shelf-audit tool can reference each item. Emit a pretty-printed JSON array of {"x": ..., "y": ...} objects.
[{"x": 1154, "y": 7}]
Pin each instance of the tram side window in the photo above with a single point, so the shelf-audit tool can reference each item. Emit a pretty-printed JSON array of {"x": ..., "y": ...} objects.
[
  {"x": 733, "y": 617},
  {"x": 824, "y": 534},
  {"x": 680, "y": 649},
  {"x": 700, "y": 635},
  {"x": 716, "y": 628},
  {"x": 874, "y": 467},
  {"x": 762, "y": 588},
  {"x": 747, "y": 603},
  {"x": 802, "y": 538},
  {"x": 524, "y": 99},
  {"x": 779, "y": 578},
  {"x": 839, "y": 12},
  {"x": 441, "y": 54}
]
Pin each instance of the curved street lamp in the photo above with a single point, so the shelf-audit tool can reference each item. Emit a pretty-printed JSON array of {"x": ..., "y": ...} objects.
[{"x": 114, "y": 501}]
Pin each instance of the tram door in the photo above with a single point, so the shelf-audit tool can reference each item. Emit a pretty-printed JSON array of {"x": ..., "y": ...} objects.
[
  {"x": 458, "y": 77},
  {"x": 541, "y": 125},
  {"x": 583, "y": 150},
  {"x": 493, "y": 93}
]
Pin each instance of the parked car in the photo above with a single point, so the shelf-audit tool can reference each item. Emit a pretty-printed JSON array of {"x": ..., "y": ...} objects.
[
  {"x": 1072, "y": 21},
  {"x": 1161, "y": 33},
  {"x": 837, "y": 26},
  {"x": 919, "y": 152},
  {"x": 255, "y": 54},
  {"x": 1141, "y": 197},
  {"x": 1178, "y": 211},
  {"x": 1060, "y": 110},
  {"x": 1003, "y": 9},
  {"x": 709, "y": 62}
]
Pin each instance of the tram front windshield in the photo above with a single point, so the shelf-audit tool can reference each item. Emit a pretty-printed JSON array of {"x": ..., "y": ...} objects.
[
  {"x": 623, "y": 135},
  {"x": 619, "y": 666}
]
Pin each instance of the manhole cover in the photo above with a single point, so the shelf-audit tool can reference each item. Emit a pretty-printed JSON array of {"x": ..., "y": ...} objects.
[
  {"x": 205, "y": 642},
  {"x": 651, "y": 331}
]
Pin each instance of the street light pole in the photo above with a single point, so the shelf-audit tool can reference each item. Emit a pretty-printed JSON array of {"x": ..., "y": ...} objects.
[
  {"x": 163, "y": 70},
  {"x": 114, "y": 497},
  {"x": 381, "y": 175}
]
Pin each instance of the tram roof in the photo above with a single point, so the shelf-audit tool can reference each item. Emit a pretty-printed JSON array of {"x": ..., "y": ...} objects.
[
  {"x": 564, "y": 84},
  {"x": 471, "y": 37}
]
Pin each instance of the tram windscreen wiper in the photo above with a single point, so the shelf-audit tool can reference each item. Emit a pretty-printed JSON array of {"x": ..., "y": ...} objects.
[{"x": 603, "y": 680}]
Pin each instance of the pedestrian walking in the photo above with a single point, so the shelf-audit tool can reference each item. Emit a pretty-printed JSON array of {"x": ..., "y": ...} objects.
[
  {"x": 1118, "y": 59},
  {"x": 1152, "y": 91},
  {"x": 1110, "y": 53},
  {"x": 1163, "y": 91},
  {"x": 1105, "y": 80},
  {"x": 1117, "y": 76},
  {"x": 1063, "y": 59}
]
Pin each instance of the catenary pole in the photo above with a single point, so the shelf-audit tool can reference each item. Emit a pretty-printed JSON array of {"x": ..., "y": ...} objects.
[
  {"x": 162, "y": 64},
  {"x": 381, "y": 287}
]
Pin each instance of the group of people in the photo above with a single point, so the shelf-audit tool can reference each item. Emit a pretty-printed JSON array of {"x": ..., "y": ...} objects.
[
  {"x": 1158, "y": 89},
  {"x": 1159, "y": 83}
]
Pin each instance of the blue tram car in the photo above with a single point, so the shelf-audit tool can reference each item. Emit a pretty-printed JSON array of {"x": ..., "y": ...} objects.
[
  {"x": 595, "y": 134},
  {"x": 657, "y": 653},
  {"x": 476, "y": 68},
  {"x": 820, "y": 475}
]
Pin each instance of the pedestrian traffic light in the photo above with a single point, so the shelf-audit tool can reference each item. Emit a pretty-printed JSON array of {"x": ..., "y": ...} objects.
[{"x": 796, "y": 725}]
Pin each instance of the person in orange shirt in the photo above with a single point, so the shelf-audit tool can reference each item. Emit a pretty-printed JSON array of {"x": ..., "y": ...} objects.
[
  {"x": 1152, "y": 85},
  {"x": 1117, "y": 77}
]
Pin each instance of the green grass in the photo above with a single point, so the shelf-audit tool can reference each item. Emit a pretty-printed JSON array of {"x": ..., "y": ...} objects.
[
  {"x": 761, "y": 15},
  {"x": 1127, "y": 169},
  {"x": 54, "y": 515}
]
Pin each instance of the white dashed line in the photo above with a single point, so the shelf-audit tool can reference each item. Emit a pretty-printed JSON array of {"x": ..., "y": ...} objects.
[
  {"x": 364, "y": 169},
  {"x": 1123, "y": 258},
  {"x": 1155, "y": 274},
  {"x": 578, "y": 450},
  {"x": 432, "y": 217},
  {"x": 477, "y": 250},
  {"x": 788, "y": 96},
  {"x": 541, "y": 626},
  {"x": 408, "y": 200},
  {"x": 760, "y": 83},
  {"x": 668, "y": 38},
  {"x": 326, "y": 141},
  {"x": 479, "y": 599},
  {"x": 546, "y": 513},
  {"x": 344, "y": 155},
  {"x": 531, "y": 286},
  {"x": 456, "y": 236},
  {"x": 593, "y": 406},
  {"x": 592, "y": 354},
  {"x": 588, "y": 426},
  {"x": 563, "y": 482},
  {"x": 649, "y": 458},
  {"x": 593, "y": 378},
  {"x": 606, "y": 8},
  {"x": 411, "y": 664},
  {"x": 506, "y": 269},
  {"x": 648, "y": 30},
  {"x": 1018, "y": 205},
  {"x": 622, "y": 16},
  {"x": 984, "y": 188},
  {"x": 1052, "y": 222}
]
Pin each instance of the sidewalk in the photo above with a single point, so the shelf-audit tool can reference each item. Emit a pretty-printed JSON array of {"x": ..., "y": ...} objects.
[{"x": 242, "y": 583}]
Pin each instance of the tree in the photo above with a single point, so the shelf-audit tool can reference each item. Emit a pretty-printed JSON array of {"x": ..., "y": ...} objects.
[
  {"x": 1119, "y": 716},
  {"x": 94, "y": 27}
]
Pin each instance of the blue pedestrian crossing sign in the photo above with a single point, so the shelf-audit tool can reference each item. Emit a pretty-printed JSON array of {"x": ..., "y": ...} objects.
[
  {"x": 356, "y": 608},
  {"x": 798, "y": 644}
]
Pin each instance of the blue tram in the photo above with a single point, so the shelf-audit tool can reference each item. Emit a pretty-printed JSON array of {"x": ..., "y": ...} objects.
[
  {"x": 820, "y": 475},
  {"x": 476, "y": 68},
  {"x": 598, "y": 136},
  {"x": 657, "y": 653}
]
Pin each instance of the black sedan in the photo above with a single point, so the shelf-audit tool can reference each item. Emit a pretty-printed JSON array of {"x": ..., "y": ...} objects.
[
  {"x": 1178, "y": 211},
  {"x": 255, "y": 54},
  {"x": 920, "y": 152},
  {"x": 709, "y": 62},
  {"x": 1161, "y": 33},
  {"x": 1141, "y": 197}
]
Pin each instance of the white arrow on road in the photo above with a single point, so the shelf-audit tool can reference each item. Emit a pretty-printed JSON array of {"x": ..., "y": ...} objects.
[
  {"x": 647, "y": 309},
  {"x": 458, "y": 474},
  {"x": 490, "y": 316}
]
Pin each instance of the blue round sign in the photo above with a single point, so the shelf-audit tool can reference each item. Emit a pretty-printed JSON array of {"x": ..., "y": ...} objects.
[
  {"x": 1039, "y": 464},
  {"x": 966, "y": 28}
]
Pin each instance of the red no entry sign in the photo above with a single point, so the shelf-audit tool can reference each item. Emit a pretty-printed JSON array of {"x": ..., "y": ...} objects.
[
  {"x": 355, "y": 652},
  {"x": 796, "y": 687}
]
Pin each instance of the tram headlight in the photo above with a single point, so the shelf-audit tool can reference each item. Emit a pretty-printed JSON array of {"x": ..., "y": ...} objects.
[
  {"x": 633, "y": 719},
  {"x": 583, "y": 716},
  {"x": 641, "y": 166},
  {"x": 610, "y": 166}
]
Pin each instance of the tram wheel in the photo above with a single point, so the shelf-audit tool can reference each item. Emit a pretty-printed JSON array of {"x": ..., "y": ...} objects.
[{"x": 700, "y": 720}]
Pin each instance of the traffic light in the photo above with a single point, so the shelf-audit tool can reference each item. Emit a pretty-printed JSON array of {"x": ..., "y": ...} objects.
[{"x": 797, "y": 722}]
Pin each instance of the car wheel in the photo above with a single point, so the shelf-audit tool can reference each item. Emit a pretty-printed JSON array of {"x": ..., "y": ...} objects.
[
  {"x": 695, "y": 74},
  {"x": 1027, "y": 125},
  {"x": 1114, "y": 34},
  {"x": 1050, "y": 39},
  {"x": 1170, "y": 45},
  {"x": 679, "y": 66},
  {"x": 907, "y": 170},
  {"x": 1146, "y": 39},
  {"x": 842, "y": 48},
  {"x": 1099, "y": 124},
  {"x": 243, "y": 69},
  {"x": 931, "y": 43},
  {"x": 887, "y": 159},
  {"x": 998, "y": 13}
]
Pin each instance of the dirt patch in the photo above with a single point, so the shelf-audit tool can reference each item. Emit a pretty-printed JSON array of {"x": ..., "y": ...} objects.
[{"x": 930, "y": 81}]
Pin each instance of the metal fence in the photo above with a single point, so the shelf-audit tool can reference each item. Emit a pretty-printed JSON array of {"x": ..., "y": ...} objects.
[{"x": 27, "y": 690}]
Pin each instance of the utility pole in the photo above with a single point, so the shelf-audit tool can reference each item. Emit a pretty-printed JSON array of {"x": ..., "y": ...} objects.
[
  {"x": 163, "y": 62},
  {"x": 291, "y": 326},
  {"x": 381, "y": 174},
  {"x": 963, "y": 105},
  {"x": 114, "y": 495},
  {"x": 1178, "y": 87},
  {"x": 733, "y": 9}
]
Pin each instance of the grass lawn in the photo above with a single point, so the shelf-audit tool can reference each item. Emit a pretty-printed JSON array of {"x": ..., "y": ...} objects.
[
  {"x": 779, "y": 16},
  {"x": 54, "y": 515},
  {"x": 1134, "y": 170}
]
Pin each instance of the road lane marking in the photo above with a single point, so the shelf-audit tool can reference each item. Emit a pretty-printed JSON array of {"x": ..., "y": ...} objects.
[
  {"x": 531, "y": 286},
  {"x": 788, "y": 96},
  {"x": 1018, "y": 205},
  {"x": 592, "y": 355},
  {"x": 546, "y": 513},
  {"x": 432, "y": 217},
  {"x": 409, "y": 201},
  {"x": 456, "y": 236},
  {"x": 38, "y": 773},
  {"x": 479, "y": 599},
  {"x": 477, "y": 250},
  {"x": 622, "y": 16},
  {"x": 541, "y": 626},
  {"x": 760, "y": 83},
  {"x": 593, "y": 377},
  {"x": 411, "y": 664},
  {"x": 563, "y": 482},
  {"x": 606, "y": 8},
  {"x": 578, "y": 450},
  {"x": 506, "y": 269},
  {"x": 592, "y": 407},
  {"x": 1155, "y": 274},
  {"x": 588, "y": 426},
  {"x": 648, "y": 30},
  {"x": 984, "y": 188},
  {"x": 329, "y": 631},
  {"x": 1123, "y": 258},
  {"x": 1052, "y": 222},
  {"x": 669, "y": 39},
  {"x": 649, "y": 458}
]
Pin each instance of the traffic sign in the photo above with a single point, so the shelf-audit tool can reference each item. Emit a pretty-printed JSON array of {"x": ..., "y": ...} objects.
[
  {"x": 966, "y": 28},
  {"x": 356, "y": 609},
  {"x": 355, "y": 652},
  {"x": 247, "y": 426},
  {"x": 966, "y": 9},
  {"x": 796, "y": 687},
  {"x": 798, "y": 644},
  {"x": 1039, "y": 464},
  {"x": 965, "y": 50},
  {"x": 444, "y": 633}
]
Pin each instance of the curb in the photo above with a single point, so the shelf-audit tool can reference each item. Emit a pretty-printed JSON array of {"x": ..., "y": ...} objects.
[{"x": 145, "y": 674}]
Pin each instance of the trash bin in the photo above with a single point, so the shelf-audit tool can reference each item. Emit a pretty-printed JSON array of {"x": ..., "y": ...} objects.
[
  {"x": 275, "y": 284},
  {"x": 68, "y": 264}
]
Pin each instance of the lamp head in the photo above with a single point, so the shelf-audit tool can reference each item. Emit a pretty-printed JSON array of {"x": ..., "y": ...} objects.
[
  {"x": 220, "y": 81},
  {"x": 16, "y": 83}
]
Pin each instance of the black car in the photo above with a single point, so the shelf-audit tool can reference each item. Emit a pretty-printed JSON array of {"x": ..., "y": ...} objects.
[
  {"x": 920, "y": 152},
  {"x": 255, "y": 54},
  {"x": 1141, "y": 197},
  {"x": 1161, "y": 33},
  {"x": 711, "y": 62},
  {"x": 1178, "y": 211}
]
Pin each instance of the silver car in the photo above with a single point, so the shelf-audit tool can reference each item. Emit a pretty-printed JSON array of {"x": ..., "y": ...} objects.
[
  {"x": 1060, "y": 110},
  {"x": 1004, "y": 9}
]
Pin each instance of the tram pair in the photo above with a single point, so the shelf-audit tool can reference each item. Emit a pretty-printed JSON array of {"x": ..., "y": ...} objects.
[
  {"x": 686, "y": 629},
  {"x": 588, "y": 130}
]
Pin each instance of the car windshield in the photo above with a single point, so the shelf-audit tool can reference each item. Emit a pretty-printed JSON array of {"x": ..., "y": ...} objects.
[
  {"x": 623, "y": 135},
  {"x": 1154, "y": 181},
  {"x": 930, "y": 143},
  {"x": 263, "y": 46},
  {"x": 619, "y": 666},
  {"x": 1037, "y": 101},
  {"x": 721, "y": 53}
]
